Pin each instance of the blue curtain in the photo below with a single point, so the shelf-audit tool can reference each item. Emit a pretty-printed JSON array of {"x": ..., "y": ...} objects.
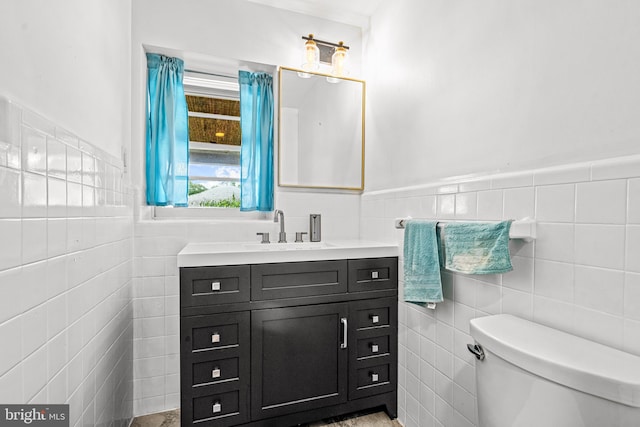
[
  {"x": 167, "y": 132},
  {"x": 256, "y": 155}
]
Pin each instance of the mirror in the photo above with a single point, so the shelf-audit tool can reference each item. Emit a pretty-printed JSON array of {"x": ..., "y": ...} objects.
[{"x": 321, "y": 142}]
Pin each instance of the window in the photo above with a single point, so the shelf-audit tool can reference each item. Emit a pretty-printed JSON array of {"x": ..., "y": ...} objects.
[{"x": 214, "y": 141}]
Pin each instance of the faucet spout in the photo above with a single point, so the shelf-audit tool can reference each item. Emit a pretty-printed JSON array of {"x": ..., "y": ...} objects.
[{"x": 282, "y": 236}]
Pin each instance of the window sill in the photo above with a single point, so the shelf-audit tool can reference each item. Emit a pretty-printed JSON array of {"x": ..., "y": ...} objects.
[{"x": 163, "y": 213}]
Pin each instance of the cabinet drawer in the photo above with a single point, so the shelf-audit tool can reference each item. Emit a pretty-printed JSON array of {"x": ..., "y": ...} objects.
[
  {"x": 214, "y": 285},
  {"x": 215, "y": 371},
  {"x": 224, "y": 408},
  {"x": 215, "y": 332},
  {"x": 373, "y": 274},
  {"x": 373, "y": 376},
  {"x": 298, "y": 279},
  {"x": 372, "y": 317},
  {"x": 212, "y": 337},
  {"x": 372, "y": 347}
]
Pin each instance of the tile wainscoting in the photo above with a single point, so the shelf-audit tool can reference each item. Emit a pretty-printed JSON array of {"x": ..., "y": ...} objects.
[
  {"x": 66, "y": 228},
  {"x": 581, "y": 275}
]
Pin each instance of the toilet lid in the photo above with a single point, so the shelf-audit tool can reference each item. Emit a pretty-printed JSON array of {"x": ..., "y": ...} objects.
[{"x": 561, "y": 357}]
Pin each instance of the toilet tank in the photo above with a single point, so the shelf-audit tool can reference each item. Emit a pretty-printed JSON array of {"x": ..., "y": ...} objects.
[{"x": 533, "y": 375}]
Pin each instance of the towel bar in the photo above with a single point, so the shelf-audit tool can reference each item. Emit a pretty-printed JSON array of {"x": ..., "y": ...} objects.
[{"x": 524, "y": 229}]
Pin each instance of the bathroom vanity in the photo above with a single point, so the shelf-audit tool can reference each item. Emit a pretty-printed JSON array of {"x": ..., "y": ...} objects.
[{"x": 281, "y": 335}]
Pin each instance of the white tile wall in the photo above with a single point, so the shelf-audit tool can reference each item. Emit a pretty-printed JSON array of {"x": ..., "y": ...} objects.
[
  {"x": 581, "y": 275},
  {"x": 65, "y": 274}
]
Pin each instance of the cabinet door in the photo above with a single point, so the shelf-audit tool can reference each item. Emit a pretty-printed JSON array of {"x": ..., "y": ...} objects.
[{"x": 299, "y": 359}]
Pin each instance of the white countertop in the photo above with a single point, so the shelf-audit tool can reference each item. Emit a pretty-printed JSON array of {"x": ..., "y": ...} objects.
[{"x": 237, "y": 253}]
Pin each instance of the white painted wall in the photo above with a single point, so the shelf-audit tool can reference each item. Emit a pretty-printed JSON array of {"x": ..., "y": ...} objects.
[
  {"x": 472, "y": 87},
  {"x": 70, "y": 61}
]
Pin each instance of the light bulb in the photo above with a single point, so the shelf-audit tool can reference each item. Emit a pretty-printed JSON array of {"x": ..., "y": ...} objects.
[
  {"x": 311, "y": 59},
  {"x": 339, "y": 61}
]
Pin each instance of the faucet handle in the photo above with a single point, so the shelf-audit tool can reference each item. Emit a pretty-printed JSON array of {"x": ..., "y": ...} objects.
[
  {"x": 265, "y": 237},
  {"x": 300, "y": 235}
]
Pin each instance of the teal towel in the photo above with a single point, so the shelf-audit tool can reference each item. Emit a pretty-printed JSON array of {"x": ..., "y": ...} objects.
[
  {"x": 422, "y": 282},
  {"x": 477, "y": 248}
]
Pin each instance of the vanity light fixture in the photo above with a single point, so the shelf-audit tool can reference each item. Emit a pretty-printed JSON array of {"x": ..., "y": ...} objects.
[{"x": 319, "y": 51}]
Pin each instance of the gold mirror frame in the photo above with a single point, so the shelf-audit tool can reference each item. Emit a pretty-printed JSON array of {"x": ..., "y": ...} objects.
[{"x": 280, "y": 124}]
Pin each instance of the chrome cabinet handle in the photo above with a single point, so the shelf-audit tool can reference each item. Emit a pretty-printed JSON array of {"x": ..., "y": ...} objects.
[
  {"x": 215, "y": 286},
  {"x": 217, "y": 407},
  {"x": 374, "y": 377},
  {"x": 374, "y": 348},
  {"x": 375, "y": 318},
  {"x": 215, "y": 338},
  {"x": 215, "y": 373},
  {"x": 345, "y": 326},
  {"x": 374, "y": 274},
  {"x": 477, "y": 350}
]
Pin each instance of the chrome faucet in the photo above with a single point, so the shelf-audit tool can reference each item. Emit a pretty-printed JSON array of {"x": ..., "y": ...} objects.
[{"x": 282, "y": 237}]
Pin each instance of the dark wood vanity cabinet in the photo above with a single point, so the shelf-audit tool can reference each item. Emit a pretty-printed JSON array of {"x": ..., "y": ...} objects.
[{"x": 287, "y": 343}]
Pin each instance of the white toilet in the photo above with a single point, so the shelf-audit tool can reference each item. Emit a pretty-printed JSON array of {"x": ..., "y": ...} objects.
[{"x": 532, "y": 375}]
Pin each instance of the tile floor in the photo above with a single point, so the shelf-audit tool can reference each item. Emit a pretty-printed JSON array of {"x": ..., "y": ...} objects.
[{"x": 172, "y": 419}]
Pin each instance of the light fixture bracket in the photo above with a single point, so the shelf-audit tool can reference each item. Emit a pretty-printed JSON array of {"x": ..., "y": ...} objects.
[{"x": 326, "y": 48}]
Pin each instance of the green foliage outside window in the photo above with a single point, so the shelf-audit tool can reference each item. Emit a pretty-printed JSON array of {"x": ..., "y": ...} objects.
[
  {"x": 196, "y": 188},
  {"x": 224, "y": 203}
]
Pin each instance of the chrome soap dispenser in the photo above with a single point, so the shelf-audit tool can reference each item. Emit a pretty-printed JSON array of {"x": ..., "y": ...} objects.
[{"x": 314, "y": 227}]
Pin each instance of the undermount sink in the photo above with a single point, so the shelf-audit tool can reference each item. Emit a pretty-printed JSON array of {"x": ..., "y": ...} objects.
[{"x": 299, "y": 246}]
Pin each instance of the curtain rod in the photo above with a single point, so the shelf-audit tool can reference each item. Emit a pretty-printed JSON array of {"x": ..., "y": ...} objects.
[{"x": 210, "y": 74}]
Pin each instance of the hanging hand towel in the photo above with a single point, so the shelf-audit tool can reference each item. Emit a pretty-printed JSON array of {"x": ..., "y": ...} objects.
[
  {"x": 477, "y": 248},
  {"x": 422, "y": 282}
]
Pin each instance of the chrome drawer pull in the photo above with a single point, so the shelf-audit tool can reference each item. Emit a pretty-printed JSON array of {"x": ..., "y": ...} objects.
[
  {"x": 215, "y": 286},
  {"x": 215, "y": 373},
  {"x": 374, "y": 274},
  {"x": 374, "y": 348},
  {"x": 217, "y": 407},
  {"x": 215, "y": 338},
  {"x": 374, "y": 377},
  {"x": 375, "y": 318}
]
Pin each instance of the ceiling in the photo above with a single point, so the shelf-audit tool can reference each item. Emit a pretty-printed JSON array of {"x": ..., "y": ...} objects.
[{"x": 352, "y": 12}]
